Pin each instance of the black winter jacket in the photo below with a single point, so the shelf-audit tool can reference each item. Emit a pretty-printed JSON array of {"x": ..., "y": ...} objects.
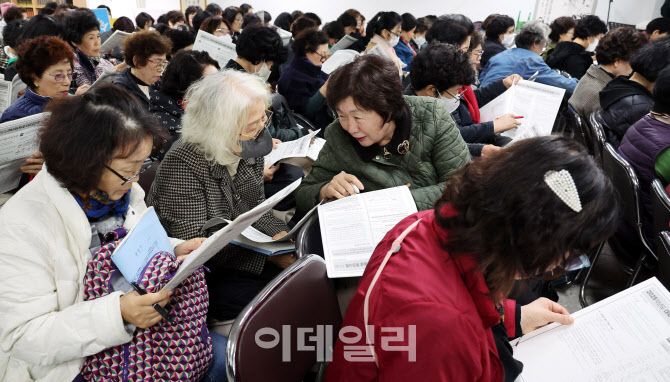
[
  {"x": 169, "y": 112},
  {"x": 623, "y": 102},
  {"x": 570, "y": 57},
  {"x": 127, "y": 81},
  {"x": 491, "y": 47}
]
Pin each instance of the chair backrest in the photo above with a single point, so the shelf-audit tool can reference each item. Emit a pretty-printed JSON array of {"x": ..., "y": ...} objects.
[
  {"x": 660, "y": 205},
  {"x": 597, "y": 135},
  {"x": 290, "y": 326},
  {"x": 663, "y": 252},
  {"x": 577, "y": 129},
  {"x": 308, "y": 241},
  {"x": 147, "y": 177},
  {"x": 17, "y": 86},
  {"x": 627, "y": 185}
]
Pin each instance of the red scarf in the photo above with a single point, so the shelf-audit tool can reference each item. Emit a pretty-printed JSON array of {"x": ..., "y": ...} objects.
[{"x": 473, "y": 106}]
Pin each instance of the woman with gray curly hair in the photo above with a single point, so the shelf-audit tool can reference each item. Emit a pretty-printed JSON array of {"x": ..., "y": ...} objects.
[{"x": 526, "y": 61}]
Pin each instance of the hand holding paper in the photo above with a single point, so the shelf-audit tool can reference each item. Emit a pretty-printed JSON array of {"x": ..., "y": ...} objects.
[{"x": 542, "y": 312}]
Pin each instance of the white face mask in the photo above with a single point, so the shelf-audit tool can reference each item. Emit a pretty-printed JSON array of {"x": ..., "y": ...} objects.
[
  {"x": 227, "y": 38},
  {"x": 264, "y": 72},
  {"x": 508, "y": 40},
  {"x": 420, "y": 41},
  {"x": 451, "y": 104},
  {"x": 592, "y": 46},
  {"x": 394, "y": 40},
  {"x": 8, "y": 53}
]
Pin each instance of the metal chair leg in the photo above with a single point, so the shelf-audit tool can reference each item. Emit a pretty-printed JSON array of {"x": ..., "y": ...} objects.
[
  {"x": 636, "y": 272},
  {"x": 582, "y": 272},
  {"x": 582, "y": 289}
]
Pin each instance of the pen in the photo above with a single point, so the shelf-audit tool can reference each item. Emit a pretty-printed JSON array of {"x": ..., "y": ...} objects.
[
  {"x": 532, "y": 78},
  {"x": 519, "y": 117},
  {"x": 158, "y": 308}
]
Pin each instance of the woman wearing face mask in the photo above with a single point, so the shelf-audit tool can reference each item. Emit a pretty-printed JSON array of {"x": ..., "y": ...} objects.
[
  {"x": 385, "y": 29},
  {"x": 215, "y": 170},
  {"x": 575, "y": 57},
  {"x": 303, "y": 82},
  {"x": 258, "y": 50},
  {"x": 443, "y": 71},
  {"x": 218, "y": 27},
  {"x": 382, "y": 139},
  {"x": 499, "y": 37},
  {"x": 146, "y": 55},
  {"x": 82, "y": 31}
]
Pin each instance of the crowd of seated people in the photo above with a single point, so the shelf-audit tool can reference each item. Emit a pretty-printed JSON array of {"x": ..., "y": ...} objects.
[{"x": 404, "y": 110}]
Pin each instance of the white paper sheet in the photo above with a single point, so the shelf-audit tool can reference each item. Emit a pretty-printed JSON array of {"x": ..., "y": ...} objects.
[
  {"x": 315, "y": 148},
  {"x": 338, "y": 59},
  {"x": 222, "y": 237},
  {"x": 298, "y": 148},
  {"x": 5, "y": 95},
  {"x": 116, "y": 39},
  {"x": 537, "y": 103},
  {"x": 625, "y": 337},
  {"x": 352, "y": 227},
  {"x": 344, "y": 43},
  {"x": 220, "y": 50},
  {"x": 18, "y": 138},
  {"x": 10, "y": 176},
  {"x": 257, "y": 236}
]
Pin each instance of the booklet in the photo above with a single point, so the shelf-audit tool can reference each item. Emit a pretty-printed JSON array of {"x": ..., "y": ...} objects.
[
  {"x": 220, "y": 50},
  {"x": 344, "y": 43},
  {"x": 116, "y": 39},
  {"x": 18, "y": 141},
  {"x": 5, "y": 95},
  {"x": 299, "y": 148},
  {"x": 537, "y": 103},
  {"x": 625, "y": 337},
  {"x": 215, "y": 243},
  {"x": 140, "y": 245},
  {"x": 338, "y": 59},
  {"x": 352, "y": 227}
]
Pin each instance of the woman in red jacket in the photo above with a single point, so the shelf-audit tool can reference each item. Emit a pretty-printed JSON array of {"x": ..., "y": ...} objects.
[{"x": 431, "y": 306}]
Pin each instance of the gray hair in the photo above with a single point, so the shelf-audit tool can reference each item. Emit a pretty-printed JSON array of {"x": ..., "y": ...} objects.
[
  {"x": 217, "y": 112},
  {"x": 533, "y": 32}
]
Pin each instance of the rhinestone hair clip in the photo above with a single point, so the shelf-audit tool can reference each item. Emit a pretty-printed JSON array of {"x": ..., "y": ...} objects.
[{"x": 562, "y": 184}]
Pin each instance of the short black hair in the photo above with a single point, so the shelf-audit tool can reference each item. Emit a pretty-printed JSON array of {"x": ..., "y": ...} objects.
[
  {"x": 174, "y": 17},
  {"x": 652, "y": 59},
  {"x": 12, "y": 31},
  {"x": 619, "y": 44},
  {"x": 301, "y": 24},
  {"x": 422, "y": 25},
  {"x": 14, "y": 13},
  {"x": 447, "y": 31},
  {"x": 142, "y": 18},
  {"x": 181, "y": 37},
  {"x": 245, "y": 8},
  {"x": 442, "y": 65},
  {"x": 161, "y": 28},
  {"x": 381, "y": 21},
  {"x": 251, "y": 20},
  {"x": 185, "y": 68},
  {"x": 77, "y": 24},
  {"x": 261, "y": 44},
  {"x": 334, "y": 29},
  {"x": 215, "y": 9},
  {"x": 193, "y": 9},
  {"x": 347, "y": 20},
  {"x": 199, "y": 18},
  {"x": 296, "y": 14},
  {"x": 662, "y": 92},
  {"x": 105, "y": 7},
  {"x": 267, "y": 17},
  {"x": 661, "y": 24},
  {"x": 476, "y": 39},
  {"x": 460, "y": 19},
  {"x": 162, "y": 19},
  {"x": 313, "y": 16},
  {"x": 561, "y": 26},
  {"x": 308, "y": 42},
  {"x": 41, "y": 25},
  {"x": 499, "y": 25},
  {"x": 408, "y": 22},
  {"x": 590, "y": 26},
  {"x": 230, "y": 13},
  {"x": 48, "y": 9},
  {"x": 75, "y": 156},
  {"x": 284, "y": 21},
  {"x": 124, "y": 24}
]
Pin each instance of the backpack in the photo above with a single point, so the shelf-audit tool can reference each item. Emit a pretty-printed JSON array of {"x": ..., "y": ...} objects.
[{"x": 179, "y": 351}]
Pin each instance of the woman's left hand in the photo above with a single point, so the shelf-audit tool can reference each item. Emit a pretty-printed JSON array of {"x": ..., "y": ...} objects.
[
  {"x": 184, "y": 249},
  {"x": 541, "y": 312},
  {"x": 511, "y": 80},
  {"x": 279, "y": 235},
  {"x": 275, "y": 143},
  {"x": 33, "y": 164},
  {"x": 82, "y": 89}
]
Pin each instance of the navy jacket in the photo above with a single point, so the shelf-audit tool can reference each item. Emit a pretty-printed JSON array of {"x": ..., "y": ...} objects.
[
  {"x": 299, "y": 82},
  {"x": 491, "y": 47},
  {"x": 27, "y": 105},
  {"x": 570, "y": 57},
  {"x": 127, "y": 81}
]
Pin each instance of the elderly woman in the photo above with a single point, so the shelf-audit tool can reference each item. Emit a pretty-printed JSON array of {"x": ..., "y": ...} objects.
[
  {"x": 382, "y": 139},
  {"x": 167, "y": 102},
  {"x": 146, "y": 55},
  {"x": 302, "y": 82},
  {"x": 499, "y": 35},
  {"x": 385, "y": 29},
  {"x": 81, "y": 195},
  {"x": 562, "y": 29},
  {"x": 215, "y": 170},
  {"x": 576, "y": 57},
  {"x": 218, "y": 27},
  {"x": 525, "y": 60},
  {"x": 445, "y": 272},
  {"x": 82, "y": 31}
]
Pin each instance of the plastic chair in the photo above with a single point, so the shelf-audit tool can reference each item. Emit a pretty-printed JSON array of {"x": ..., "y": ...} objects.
[
  {"x": 308, "y": 240},
  {"x": 663, "y": 248},
  {"x": 628, "y": 187},
  {"x": 288, "y": 328},
  {"x": 147, "y": 177},
  {"x": 660, "y": 208},
  {"x": 579, "y": 131},
  {"x": 598, "y": 136}
]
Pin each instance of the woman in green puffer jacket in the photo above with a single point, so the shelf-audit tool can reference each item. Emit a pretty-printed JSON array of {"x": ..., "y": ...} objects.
[{"x": 382, "y": 139}]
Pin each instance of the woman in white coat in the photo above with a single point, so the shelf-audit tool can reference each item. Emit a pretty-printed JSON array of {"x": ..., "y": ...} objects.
[{"x": 94, "y": 146}]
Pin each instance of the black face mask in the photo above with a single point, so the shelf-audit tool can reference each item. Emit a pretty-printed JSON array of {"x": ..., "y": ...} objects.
[{"x": 256, "y": 148}]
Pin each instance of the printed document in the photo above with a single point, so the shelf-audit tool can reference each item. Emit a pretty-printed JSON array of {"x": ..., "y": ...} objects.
[
  {"x": 116, "y": 39},
  {"x": 537, "y": 103},
  {"x": 299, "y": 148},
  {"x": 352, "y": 227},
  {"x": 625, "y": 337},
  {"x": 338, "y": 59},
  {"x": 18, "y": 141},
  {"x": 225, "y": 235},
  {"x": 220, "y": 50},
  {"x": 5, "y": 95},
  {"x": 344, "y": 43}
]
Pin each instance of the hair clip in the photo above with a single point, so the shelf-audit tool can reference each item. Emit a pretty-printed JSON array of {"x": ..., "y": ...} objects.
[{"x": 562, "y": 184}]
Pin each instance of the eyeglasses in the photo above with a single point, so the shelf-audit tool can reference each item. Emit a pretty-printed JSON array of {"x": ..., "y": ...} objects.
[
  {"x": 259, "y": 133},
  {"x": 395, "y": 34},
  {"x": 222, "y": 30},
  {"x": 323, "y": 56},
  {"x": 478, "y": 54},
  {"x": 128, "y": 180},
  {"x": 60, "y": 77},
  {"x": 159, "y": 64}
]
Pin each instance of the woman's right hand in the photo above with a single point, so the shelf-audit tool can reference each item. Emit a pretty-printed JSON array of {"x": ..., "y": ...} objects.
[
  {"x": 505, "y": 123},
  {"x": 137, "y": 309},
  {"x": 340, "y": 187}
]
